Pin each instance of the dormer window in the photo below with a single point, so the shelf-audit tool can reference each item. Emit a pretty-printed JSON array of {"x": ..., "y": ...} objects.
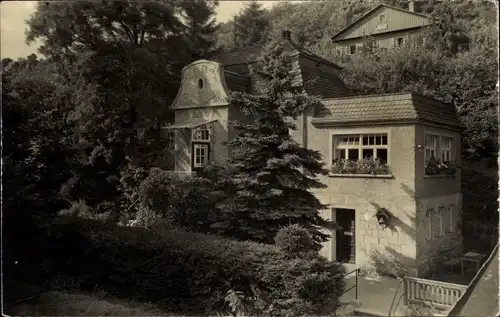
[
  {"x": 200, "y": 83},
  {"x": 383, "y": 18},
  {"x": 200, "y": 134}
]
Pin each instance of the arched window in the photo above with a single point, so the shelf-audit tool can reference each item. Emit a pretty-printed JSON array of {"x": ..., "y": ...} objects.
[{"x": 200, "y": 83}]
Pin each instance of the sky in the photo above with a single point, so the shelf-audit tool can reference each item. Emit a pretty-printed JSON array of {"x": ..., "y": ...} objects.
[{"x": 13, "y": 15}]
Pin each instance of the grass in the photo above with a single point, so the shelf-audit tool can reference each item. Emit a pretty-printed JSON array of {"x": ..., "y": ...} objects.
[{"x": 58, "y": 303}]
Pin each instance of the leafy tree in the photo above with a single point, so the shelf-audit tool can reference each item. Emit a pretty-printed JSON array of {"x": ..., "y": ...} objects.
[
  {"x": 201, "y": 28},
  {"x": 301, "y": 19},
  {"x": 37, "y": 143},
  {"x": 123, "y": 60},
  {"x": 37, "y": 151},
  {"x": 251, "y": 25},
  {"x": 6, "y": 62},
  {"x": 82, "y": 25},
  {"x": 269, "y": 176}
]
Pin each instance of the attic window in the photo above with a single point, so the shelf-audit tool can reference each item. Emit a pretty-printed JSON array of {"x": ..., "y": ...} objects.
[
  {"x": 383, "y": 18},
  {"x": 200, "y": 83}
]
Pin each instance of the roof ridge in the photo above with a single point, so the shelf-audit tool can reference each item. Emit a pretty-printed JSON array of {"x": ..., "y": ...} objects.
[
  {"x": 432, "y": 99},
  {"x": 234, "y": 73},
  {"x": 245, "y": 48},
  {"x": 368, "y": 96}
]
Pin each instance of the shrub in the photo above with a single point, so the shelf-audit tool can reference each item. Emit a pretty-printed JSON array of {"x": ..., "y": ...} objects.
[
  {"x": 81, "y": 209},
  {"x": 294, "y": 239},
  {"x": 193, "y": 269},
  {"x": 175, "y": 200}
]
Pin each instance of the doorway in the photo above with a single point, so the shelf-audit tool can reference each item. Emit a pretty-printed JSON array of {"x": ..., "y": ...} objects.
[{"x": 346, "y": 241}]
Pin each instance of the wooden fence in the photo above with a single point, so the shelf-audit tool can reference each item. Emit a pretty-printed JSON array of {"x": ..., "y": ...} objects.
[{"x": 439, "y": 294}]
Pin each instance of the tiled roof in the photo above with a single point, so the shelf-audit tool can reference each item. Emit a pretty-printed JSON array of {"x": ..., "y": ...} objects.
[
  {"x": 241, "y": 56},
  {"x": 237, "y": 82},
  {"x": 237, "y": 61},
  {"x": 253, "y": 53},
  {"x": 386, "y": 108}
]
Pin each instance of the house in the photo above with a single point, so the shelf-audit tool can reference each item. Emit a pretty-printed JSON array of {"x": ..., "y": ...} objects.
[
  {"x": 385, "y": 25},
  {"x": 402, "y": 215}
]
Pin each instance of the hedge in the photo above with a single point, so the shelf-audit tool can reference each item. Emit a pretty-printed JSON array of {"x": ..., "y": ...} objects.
[{"x": 194, "y": 269}]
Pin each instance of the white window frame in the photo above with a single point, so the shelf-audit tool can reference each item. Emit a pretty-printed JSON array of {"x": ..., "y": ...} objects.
[
  {"x": 430, "y": 147},
  {"x": 206, "y": 148},
  {"x": 446, "y": 149},
  {"x": 353, "y": 145},
  {"x": 383, "y": 18},
  {"x": 200, "y": 134},
  {"x": 429, "y": 214},
  {"x": 396, "y": 41},
  {"x": 440, "y": 215}
]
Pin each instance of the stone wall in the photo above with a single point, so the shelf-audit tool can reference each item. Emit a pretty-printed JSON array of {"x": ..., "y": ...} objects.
[
  {"x": 439, "y": 248},
  {"x": 389, "y": 251}
]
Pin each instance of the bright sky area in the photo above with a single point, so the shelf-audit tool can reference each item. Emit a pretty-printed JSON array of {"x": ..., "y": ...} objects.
[{"x": 13, "y": 16}]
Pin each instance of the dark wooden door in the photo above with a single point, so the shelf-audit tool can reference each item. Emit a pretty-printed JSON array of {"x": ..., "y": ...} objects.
[{"x": 346, "y": 242}]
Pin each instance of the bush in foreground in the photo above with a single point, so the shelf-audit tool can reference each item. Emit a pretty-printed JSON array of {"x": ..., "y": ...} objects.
[
  {"x": 294, "y": 239},
  {"x": 192, "y": 269},
  {"x": 175, "y": 200}
]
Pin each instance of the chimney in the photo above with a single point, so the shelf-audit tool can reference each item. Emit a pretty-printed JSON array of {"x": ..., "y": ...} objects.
[
  {"x": 411, "y": 6},
  {"x": 286, "y": 35}
]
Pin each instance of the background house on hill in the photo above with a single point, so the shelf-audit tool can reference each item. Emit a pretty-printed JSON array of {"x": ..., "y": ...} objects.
[
  {"x": 386, "y": 26},
  {"x": 402, "y": 213}
]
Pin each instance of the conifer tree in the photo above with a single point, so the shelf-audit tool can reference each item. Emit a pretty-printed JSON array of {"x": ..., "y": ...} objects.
[
  {"x": 251, "y": 25},
  {"x": 199, "y": 16},
  {"x": 269, "y": 176}
]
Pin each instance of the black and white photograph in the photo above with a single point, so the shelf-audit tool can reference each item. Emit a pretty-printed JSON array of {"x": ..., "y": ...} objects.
[{"x": 250, "y": 158}]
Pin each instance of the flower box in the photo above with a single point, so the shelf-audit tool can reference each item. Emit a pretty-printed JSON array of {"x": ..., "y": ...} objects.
[
  {"x": 435, "y": 167},
  {"x": 367, "y": 166}
]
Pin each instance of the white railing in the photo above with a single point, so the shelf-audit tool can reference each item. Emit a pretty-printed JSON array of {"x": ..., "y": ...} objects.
[{"x": 439, "y": 294}]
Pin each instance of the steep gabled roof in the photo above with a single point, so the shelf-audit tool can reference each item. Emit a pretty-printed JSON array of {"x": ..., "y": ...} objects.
[
  {"x": 253, "y": 53},
  {"x": 370, "y": 14},
  {"x": 402, "y": 107}
]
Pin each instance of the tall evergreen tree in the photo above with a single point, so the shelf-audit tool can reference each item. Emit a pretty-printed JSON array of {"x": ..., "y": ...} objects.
[
  {"x": 267, "y": 183},
  {"x": 200, "y": 28},
  {"x": 251, "y": 25}
]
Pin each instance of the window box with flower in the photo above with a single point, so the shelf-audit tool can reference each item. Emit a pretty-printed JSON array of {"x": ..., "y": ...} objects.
[
  {"x": 437, "y": 167},
  {"x": 365, "y": 167}
]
